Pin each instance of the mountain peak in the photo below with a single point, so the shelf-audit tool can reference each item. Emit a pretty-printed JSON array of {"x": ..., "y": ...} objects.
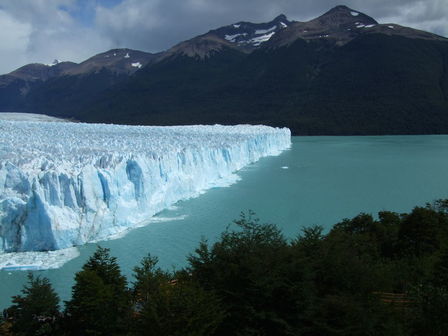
[
  {"x": 340, "y": 25},
  {"x": 281, "y": 17},
  {"x": 55, "y": 62},
  {"x": 203, "y": 46},
  {"x": 341, "y": 14},
  {"x": 247, "y": 35},
  {"x": 340, "y": 8},
  {"x": 118, "y": 61}
]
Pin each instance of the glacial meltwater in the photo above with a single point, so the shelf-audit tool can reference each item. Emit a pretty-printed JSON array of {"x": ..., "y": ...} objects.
[{"x": 320, "y": 180}]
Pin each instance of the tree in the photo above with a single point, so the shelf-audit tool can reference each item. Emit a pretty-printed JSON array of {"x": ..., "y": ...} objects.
[
  {"x": 100, "y": 303},
  {"x": 5, "y": 327},
  {"x": 431, "y": 308},
  {"x": 248, "y": 268},
  {"x": 36, "y": 311},
  {"x": 147, "y": 296},
  {"x": 172, "y": 304},
  {"x": 420, "y": 231}
]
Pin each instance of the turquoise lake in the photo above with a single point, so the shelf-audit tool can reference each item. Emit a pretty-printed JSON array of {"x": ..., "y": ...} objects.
[{"x": 320, "y": 180}]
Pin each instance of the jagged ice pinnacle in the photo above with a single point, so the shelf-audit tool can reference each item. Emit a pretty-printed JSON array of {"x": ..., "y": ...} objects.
[{"x": 66, "y": 184}]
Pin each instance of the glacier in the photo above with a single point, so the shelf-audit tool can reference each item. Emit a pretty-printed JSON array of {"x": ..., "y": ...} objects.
[{"x": 66, "y": 184}]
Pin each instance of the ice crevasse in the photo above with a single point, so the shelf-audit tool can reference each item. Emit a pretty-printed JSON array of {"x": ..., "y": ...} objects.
[{"x": 66, "y": 184}]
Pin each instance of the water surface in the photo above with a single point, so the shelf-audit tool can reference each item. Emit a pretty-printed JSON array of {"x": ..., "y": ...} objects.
[{"x": 320, "y": 180}]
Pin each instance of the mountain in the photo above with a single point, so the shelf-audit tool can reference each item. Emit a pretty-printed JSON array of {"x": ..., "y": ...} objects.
[
  {"x": 241, "y": 36},
  {"x": 247, "y": 34},
  {"x": 340, "y": 73},
  {"x": 16, "y": 85},
  {"x": 341, "y": 25},
  {"x": 35, "y": 85},
  {"x": 117, "y": 61}
]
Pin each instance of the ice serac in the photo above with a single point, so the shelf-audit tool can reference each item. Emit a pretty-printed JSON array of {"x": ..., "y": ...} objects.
[{"x": 66, "y": 184}]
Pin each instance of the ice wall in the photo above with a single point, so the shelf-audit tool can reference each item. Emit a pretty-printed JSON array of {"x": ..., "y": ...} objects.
[{"x": 65, "y": 184}]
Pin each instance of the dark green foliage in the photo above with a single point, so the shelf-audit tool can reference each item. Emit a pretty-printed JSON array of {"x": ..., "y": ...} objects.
[
  {"x": 315, "y": 286},
  {"x": 430, "y": 310},
  {"x": 334, "y": 284},
  {"x": 432, "y": 297},
  {"x": 376, "y": 84},
  {"x": 35, "y": 311},
  {"x": 366, "y": 276},
  {"x": 423, "y": 232},
  {"x": 100, "y": 303},
  {"x": 172, "y": 304},
  {"x": 65, "y": 95},
  {"x": 247, "y": 268}
]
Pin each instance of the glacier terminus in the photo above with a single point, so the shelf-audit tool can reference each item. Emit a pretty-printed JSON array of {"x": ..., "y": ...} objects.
[{"x": 66, "y": 184}]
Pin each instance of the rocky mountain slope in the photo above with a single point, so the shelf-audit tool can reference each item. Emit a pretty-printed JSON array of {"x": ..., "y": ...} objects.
[
  {"x": 341, "y": 73},
  {"x": 22, "y": 88}
]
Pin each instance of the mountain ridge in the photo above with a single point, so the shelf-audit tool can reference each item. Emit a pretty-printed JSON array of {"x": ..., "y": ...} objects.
[{"x": 313, "y": 77}]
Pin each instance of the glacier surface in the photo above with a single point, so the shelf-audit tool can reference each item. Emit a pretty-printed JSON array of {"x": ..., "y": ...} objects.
[{"x": 66, "y": 184}]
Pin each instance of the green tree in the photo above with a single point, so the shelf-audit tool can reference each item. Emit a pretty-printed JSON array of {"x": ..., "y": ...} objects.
[
  {"x": 100, "y": 303},
  {"x": 249, "y": 270},
  {"x": 172, "y": 304},
  {"x": 36, "y": 311},
  {"x": 431, "y": 308},
  {"x": 420, "y": 231},
  {"x": 5, "y": 327}
]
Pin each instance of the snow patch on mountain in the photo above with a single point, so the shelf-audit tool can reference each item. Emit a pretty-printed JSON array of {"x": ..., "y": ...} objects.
[
  {"x": 55, "y": 62},
  {"x": 256, "y": 41},
  {"x": 264, "y": 31},
  {"x": 231, "y": 38},
  {"x": 247, "y": 34}
]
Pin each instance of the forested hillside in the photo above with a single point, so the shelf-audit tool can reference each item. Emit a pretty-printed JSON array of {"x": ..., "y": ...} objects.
[{"x": 341, "y": 73}]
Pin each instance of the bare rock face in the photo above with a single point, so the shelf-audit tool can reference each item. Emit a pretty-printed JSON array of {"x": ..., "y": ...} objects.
[
  {"x": 242, "y": 36},
  {"x": 37, "y": 71},
  {"x": 341, "y": 25},
  {"x": 251, "y": 35},
  {"x": 119, "y": 61},
  {"x": 201, "y": 47}
]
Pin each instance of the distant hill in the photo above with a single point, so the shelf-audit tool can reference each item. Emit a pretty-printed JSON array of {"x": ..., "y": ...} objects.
[
  {"x": 341, "y": 73},
  {"x": 61, "y": 86}
]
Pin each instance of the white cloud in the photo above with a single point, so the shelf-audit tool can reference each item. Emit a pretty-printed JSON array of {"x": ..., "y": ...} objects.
[
  {"x": 425, "y": 15},
  {"x": 155, "y": 25},
  {"x": 14, "y": 37},
  {"x": 41, "y": 30}
]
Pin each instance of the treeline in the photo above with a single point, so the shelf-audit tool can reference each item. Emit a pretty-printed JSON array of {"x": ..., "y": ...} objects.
[{"x": 366, "y": 276}]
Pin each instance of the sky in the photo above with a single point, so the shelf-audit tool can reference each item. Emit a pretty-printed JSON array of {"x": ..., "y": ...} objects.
[{"x": 39, "y": 31}]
